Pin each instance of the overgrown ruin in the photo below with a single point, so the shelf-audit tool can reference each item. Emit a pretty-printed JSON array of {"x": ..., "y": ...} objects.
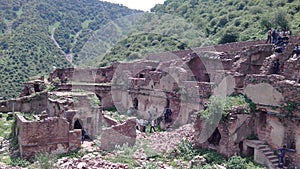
[{"x": 171, "y": 88}]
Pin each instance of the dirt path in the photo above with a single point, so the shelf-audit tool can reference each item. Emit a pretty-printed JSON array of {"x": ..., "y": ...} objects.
[{"x": 69, "y": 57}]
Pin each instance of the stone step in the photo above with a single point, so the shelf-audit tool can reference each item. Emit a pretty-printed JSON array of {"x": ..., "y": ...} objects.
[
  {"x": 268, "y": 153},
  {"x": 274, "y": 161},
  {"x": 262, "y": 146},
  {"x": 266, "y": 149},
  {"x": 272, "y": 157}
]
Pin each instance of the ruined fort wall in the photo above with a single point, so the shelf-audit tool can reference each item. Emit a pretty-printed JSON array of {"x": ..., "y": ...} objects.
[
  {"x": 50, "y": 135},
  {"x": 28, "y": 104},
  {"x": 281, "y": 131},
  {"x": 226, "y": 137},
  {"x": 273, "y": 88},
  {"x": 119, "y": 135},
  {"x": 79, "y": 108},
  {"x": 100, "y": 75}
]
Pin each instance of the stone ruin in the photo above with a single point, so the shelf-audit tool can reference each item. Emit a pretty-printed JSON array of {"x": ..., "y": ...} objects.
[{"x": 172, "y": 88}]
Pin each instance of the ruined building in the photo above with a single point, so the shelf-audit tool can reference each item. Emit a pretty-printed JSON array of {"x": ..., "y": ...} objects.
[{"x": 172, "y": 88}]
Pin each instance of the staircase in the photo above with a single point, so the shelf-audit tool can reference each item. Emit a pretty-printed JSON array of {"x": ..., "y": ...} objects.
[
  {"x": 269, "y": 153},
  {"x": 264, "y": 154}
]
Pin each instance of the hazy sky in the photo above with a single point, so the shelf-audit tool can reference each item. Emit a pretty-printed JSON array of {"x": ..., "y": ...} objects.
[{"x": 144, "y": 5}]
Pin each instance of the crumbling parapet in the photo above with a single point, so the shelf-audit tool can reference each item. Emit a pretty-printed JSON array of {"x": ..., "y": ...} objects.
[
  {"x": 27, "y": 104},
  {"x": 51, "y": 135},
  {"x": 273, "y": 87},
  {"x": 228, "y": 135},
  {"x": 81, "y": 109},
  {"x": 120, "y": 134}
]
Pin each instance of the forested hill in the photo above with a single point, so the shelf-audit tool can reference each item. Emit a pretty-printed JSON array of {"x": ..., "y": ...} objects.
[
  {"x": 28, "y": 29},
  {"x": 203, "y": 22},
  {"x": 242, "y": 19}
]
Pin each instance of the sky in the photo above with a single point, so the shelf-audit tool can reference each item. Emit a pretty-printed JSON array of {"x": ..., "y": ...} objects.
[{"x": 144, "y": 5}]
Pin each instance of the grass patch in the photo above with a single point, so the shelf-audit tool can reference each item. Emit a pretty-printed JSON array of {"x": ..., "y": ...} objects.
[
  {"x": 124, "y": 154},
  {"x": 5, "y": 126},
  {"x": 73, "y": 154}
]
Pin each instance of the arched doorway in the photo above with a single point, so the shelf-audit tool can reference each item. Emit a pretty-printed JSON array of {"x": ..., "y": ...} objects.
[
  {"x": 135, "y": 103},
  {"x": 36, "y": 88},
  {"x": 78, "y": 124},
  {"x": 215, "y": 137}
]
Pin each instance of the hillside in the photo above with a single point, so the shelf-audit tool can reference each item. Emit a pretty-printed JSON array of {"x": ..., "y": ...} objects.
[
  {"x": 204, "y": 22},
  {"x": 37, "y": 35}
]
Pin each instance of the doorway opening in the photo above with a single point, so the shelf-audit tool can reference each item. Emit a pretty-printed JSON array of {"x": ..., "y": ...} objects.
[
  {"x": 78, "y": 124},
  {"x": 36, "y": 88},
  {"x": 215, "y": 137},
  {"x": 135, "y": 103}
]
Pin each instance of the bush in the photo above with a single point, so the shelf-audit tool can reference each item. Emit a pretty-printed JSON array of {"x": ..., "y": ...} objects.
[
  {"x": 186, "y": 150},
  {"x": 19, "y": 162},
  {"x": 231, "y": 34},
  {"x": 236, "y": 162}
]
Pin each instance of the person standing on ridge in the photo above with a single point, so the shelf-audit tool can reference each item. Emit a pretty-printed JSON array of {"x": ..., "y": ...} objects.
[{"x": 269, "y": 35}]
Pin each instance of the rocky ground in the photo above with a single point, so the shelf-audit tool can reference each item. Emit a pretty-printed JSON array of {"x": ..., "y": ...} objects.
[
  {"x": 144, "y": 153},
  {"x": 147, "y": 148},
  {"x": 158, "y": 142}
]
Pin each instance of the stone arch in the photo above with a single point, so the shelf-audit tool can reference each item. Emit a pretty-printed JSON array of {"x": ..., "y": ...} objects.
[
  {"x": 36, "y": 87},
  {"x": 215, "y": 138},
  {"x": 135, "y": 103},
  {"x": 141, "y": 75},
  {"x": 78, "y": 124}
]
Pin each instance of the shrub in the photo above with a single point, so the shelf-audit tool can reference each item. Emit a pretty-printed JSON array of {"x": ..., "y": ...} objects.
[
  {"x": 150, "y": 166},
  {"x": 19, "y": 162},
  {"x": 236, "y": 162},
  {"x": 45, "y": 160},
  {"x": 231, "y": 34},
  {"x": 186, "y": 150}
]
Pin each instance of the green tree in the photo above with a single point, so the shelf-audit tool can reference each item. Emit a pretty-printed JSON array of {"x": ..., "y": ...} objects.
[{"x": 281, "y": 20}]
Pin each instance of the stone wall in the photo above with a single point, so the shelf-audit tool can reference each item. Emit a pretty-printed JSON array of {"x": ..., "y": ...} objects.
[
  {"x": 100, "y": 75},
  {"x": 226, "y": 136},
  {"x": 292, "y": 69},
  {"x": 278, "y": 131},
  {"x": 50, "y": 135},
  {"x": 121, "y": 134},
  {"x": 35, "y": 103},
  {"x": 77, "y": 107},
  {"x": 273, "y": 88}
]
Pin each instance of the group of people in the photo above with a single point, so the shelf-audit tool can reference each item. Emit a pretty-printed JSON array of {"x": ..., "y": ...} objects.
[
  {"x": 279, "y": 39},
  {"x": 142, "y": 125}
]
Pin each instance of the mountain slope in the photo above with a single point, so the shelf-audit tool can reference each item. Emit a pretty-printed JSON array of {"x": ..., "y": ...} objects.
[
  {"x": 26, "y": 27},
  {"x": 248, "y": 18},
  {"x": 204, "y": 22}
]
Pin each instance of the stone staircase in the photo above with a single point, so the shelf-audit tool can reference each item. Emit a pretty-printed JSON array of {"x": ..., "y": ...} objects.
[
  {"x": 269, "y": 153},
  {"x": 264, "y": 154}
]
